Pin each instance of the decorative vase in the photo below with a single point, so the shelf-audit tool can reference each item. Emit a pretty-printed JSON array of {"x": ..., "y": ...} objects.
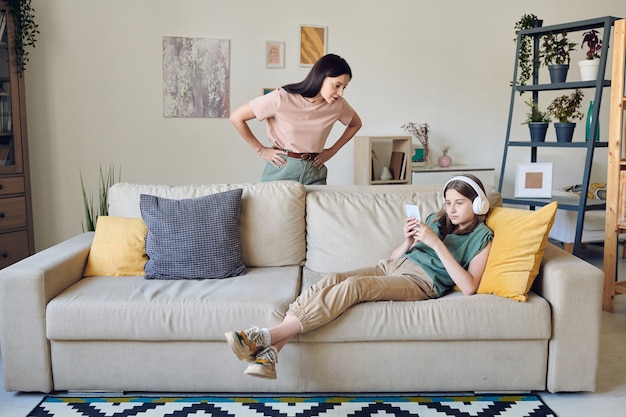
[
  {"x": 588, "y": 131},
  {"x": 558, "y": 73},
  {"x": 385, "y": 174},
  {"x": 564, "y": 131},
  {"x": 538, "y": 131},
  {"x": 428, "y": 162},
  {"x": 444, "y": 161},
  {"x": 589, "y": 69}
]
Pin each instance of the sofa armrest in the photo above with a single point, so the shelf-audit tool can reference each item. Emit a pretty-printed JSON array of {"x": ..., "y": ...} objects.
[
  {"x": 26, "y": 287},
  {"x": 573, "y": 288}
]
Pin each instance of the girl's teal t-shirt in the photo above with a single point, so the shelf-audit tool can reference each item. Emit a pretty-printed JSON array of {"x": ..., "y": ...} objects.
[{"x": 463, "y": 248}]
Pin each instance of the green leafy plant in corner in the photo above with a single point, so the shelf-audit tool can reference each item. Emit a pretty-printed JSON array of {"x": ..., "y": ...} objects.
[
  {"x": 535, "y": 115},
  {"x": 525, "y": 56},
  {"x": 566, "y": 108},
  {"x": 107, "y": 179},
  {"x": 26, "y": 30}
]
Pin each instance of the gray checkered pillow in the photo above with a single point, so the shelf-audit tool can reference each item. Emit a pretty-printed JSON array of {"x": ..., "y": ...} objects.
[{"x": 194, "y": 238}]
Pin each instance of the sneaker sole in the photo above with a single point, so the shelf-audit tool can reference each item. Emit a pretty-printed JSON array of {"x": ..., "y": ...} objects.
[
  {"x": 233, "y": 342},
  {"x": 262, "y": 373}
]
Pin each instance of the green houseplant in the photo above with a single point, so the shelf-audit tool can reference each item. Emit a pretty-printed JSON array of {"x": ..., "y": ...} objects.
[
  {"x": 537, "y": 121},
  {"x": 555, "y": 53},
  {"x": 566, "y": 108},
  {"x": 525, "y": 55},
  {"x": 589, "y": 66},
  {"x": 26, "y": 30},
  {"x": 91, "y": 211}
]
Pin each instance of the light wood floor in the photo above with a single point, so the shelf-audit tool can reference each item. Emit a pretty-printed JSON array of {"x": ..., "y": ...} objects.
[{"x": 609, "y": 400}]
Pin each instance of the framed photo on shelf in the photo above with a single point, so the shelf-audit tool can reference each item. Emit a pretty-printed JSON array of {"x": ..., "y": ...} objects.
[
  {"x": 268, "y": 90},
  {"x": 274, "y": 54},
  {"x": 313, "y": 44},
  {"x": 534, "y": 180}
]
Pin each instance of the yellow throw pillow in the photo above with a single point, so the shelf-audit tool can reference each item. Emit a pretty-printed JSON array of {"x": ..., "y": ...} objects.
[
  {"x": 118, "y": 248},
  {"x": 519, "y": 240}
]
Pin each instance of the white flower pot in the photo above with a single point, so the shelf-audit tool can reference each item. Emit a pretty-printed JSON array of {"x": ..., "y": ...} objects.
[{"x": 589, "y": 69}]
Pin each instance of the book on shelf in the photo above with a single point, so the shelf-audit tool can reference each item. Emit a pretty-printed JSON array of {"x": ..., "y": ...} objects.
[
  {"x": 395, "y": 164},
  {"x": 403, "y": 169},
  {"x": 3, "y": 23},
  {"x": 5, "y": 115}
]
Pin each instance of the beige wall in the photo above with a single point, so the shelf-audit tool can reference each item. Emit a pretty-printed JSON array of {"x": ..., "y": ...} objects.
[{"x": 94, "y": 85}]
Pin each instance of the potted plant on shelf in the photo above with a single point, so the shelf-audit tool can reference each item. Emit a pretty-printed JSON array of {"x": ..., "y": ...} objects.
[
  {"x": 537, "y": 122},
  {"x": 554, "y": 51},
  {"x": 525, "y": 55},
  {"x": 589, "y": 66},
  {"x": 565, "y": 109},
  {"x": 445, "y": 160}
]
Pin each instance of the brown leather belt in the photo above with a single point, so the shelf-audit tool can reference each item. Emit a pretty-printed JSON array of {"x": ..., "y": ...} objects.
[{"x": 304, "y": 156}]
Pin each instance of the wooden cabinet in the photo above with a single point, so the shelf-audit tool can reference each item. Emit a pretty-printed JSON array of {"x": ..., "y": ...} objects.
[
  {"x": 373, "y": 153},
  {"x": 16, "y": 224}
]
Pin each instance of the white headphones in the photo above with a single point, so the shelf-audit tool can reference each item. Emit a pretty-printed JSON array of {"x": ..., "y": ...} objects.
[{"x": 480, "y": 205}]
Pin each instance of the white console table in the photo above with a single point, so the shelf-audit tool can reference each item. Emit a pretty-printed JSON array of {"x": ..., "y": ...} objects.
[{"x": 439, "y": 175}]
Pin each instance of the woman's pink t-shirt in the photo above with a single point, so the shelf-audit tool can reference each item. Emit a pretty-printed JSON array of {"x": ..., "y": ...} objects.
[{"x": 295, "y": 124}]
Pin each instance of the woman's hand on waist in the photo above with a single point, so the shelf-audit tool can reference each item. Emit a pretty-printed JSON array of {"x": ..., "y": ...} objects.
[
  {"x": 323, "y": 157},
  {"x": 274, "y": 156}
]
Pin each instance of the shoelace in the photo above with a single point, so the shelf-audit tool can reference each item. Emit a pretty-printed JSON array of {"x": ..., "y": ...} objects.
[
  {"x": 269, "y": 354},
  {"x": 255, "y": 336}
]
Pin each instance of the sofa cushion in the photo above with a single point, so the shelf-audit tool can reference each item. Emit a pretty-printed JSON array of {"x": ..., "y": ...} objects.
[
  {"x": 351, "y": 230},
  {"x": 520, "y": 238},
  {"x": 193, "y": 238},
  {"x": 350, "y": 227},
  {"x": 133, "y": 308},
  {"x": 270, "y": 212},
  {"x": 118, "y": 247}
]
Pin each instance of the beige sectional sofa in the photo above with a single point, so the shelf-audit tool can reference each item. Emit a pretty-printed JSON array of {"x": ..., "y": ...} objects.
[{"x": 63, "y": 331}]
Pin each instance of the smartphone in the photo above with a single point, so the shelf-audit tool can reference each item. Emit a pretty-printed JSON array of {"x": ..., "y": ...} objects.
[{"x": 413, "y": 211}]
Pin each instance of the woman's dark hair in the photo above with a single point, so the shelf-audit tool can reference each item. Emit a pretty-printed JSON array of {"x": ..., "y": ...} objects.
[
  {"x": 445, "y": 225},
  {"x": 329, "y": 65}
]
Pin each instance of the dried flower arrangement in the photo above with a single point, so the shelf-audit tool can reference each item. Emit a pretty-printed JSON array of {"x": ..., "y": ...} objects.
[{"x": 419, "y": 130}]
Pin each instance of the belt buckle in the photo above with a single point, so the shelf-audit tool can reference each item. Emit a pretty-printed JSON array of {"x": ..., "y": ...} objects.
[{"x": 305, "y": 156}]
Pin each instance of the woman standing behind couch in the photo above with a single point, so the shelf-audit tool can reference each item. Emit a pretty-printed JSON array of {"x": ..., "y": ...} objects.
[
  {"x": 450, "y": 248},
  {"x": 299, "y": 119}
]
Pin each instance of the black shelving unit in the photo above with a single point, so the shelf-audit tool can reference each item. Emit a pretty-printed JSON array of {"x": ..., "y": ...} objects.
[{"x": 580, "y": 205}]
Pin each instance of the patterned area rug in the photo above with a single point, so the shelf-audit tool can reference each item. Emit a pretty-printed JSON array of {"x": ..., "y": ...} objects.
[{"x": 329, "y": 406}]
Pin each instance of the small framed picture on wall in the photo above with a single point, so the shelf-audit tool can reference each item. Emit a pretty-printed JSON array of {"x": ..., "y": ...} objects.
[
  {"x": 274, "y": 54},
  {"x": 313, "y": 44}
]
